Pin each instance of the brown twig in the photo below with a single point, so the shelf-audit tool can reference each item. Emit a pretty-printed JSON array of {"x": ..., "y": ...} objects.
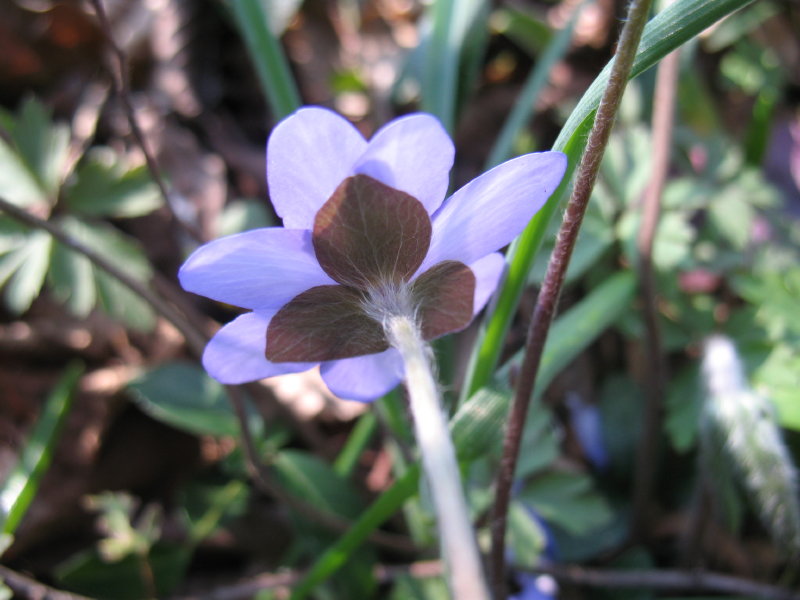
[
  {"x": 650, "y": 579},
  {"x": 119, "y": 76},
  {"x": 672, "y": 580},
  {"x": 194, "y": 338},
  {"x": 554, "y": 278},
  {"x": 26, "y": 587},
  {"x": 655, "y": 364}
]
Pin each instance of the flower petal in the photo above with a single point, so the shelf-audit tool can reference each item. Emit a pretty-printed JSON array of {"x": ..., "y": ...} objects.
[
  {"x": 490, "y": 211},
  {"x": 364, "y": 378},
  {"x": 309, "y": 153},
  {"x": 262, "y": 268},
  {"x": 488, "y": 271},
  {"x": 413, "y": 154},
  {"x": 236, "y": 353}
]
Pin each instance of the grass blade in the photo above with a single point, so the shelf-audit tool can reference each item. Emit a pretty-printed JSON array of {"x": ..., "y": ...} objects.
[
  {"x": 387, "y": 504},
  {"x": 358, "y": 439},
  {"x": 523, "y": 107},
  {"x": 451, "y": 20},
  {"x": 19, "y": 489},
  {"x": 267, "y": 54}
]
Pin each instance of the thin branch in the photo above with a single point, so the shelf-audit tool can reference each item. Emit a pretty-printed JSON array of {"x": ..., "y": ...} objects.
[
  {"x": 119, "y": 76},
  {"x": 554, "y": 278},
  {"x": 26, "y": 587},
  {"x": 650, "y": 579},
  {"x": 655, "y": 365},
  {"x": 672, "y": 580},
  {"x": 194, "y": 338}
]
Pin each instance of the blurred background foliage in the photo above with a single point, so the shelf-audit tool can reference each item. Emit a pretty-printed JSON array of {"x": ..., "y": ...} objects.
[{"x": 122, "y": 472}]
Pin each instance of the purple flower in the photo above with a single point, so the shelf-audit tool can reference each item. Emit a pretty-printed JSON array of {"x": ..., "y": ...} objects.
[{"x": 366, "y": 232}]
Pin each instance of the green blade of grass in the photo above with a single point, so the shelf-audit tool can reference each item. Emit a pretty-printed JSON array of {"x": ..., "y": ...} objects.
[
  {"x": 387, "y": 504},
  {"x": 479, "y": 422},
  {"x": 489, "y": 344},
  {"x": 356, "y": 442},
  {"x": 668, "y": 30},
  {"x": 523, "y": 107},
  {"x": 451, "y": 21},
  {"x": 19, "y": 489},
  {"x": 267, "y": 55}
]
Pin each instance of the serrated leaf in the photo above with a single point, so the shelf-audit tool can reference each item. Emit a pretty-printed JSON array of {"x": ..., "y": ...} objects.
[
  {"x": 40, "y": 144},
  {"x": 31, "y": 261},
  {"x": 72, "y": 281},
  {"x": 17, "y": 184},
  {"x": 185, "y": 397},
  {"x": 112, "y": 296},
  {"x": 102, "y": 186}
]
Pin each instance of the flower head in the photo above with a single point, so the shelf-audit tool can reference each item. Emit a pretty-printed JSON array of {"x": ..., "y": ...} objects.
[{"x": 367, "y": 235}]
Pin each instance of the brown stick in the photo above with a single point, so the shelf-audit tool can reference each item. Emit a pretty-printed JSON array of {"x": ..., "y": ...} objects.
[
  {"x": 554, "y": 278},
  {"x": 655, "y": 365},
  {"x": 119, "y": 76},
  {"x": 650, "y": 579}
]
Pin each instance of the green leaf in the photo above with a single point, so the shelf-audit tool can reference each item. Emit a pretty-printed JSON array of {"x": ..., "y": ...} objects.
[
  {"x": 41, "y": 145},
  {"x": 185, "y": 397},
  {"x": 778, "y": 378},
  {"x": 527, "y": 538},
  {"x": 18, "y": 184},
  {"x": 306, "y": 476},
  {"x": 567, "y": 499},
  {"x": 253, "y": 20},
  {"x": 21, "y": 485},
  {"x": 582, "y": 324},
  {"x": 102, "y": 186},
  {"x": 25, "y": 269},
  {"x": 452, "y": 21},
  {"x": 71, "y": 282},
  {"x": 241, "y": 215}
]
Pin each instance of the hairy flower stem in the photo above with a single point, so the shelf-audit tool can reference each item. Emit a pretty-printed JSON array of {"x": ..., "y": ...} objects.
[
  {"x": 554, "y": 278},
  {"x": 459, "y": 548}
]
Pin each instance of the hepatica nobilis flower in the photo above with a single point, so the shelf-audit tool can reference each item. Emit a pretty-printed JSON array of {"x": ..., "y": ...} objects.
[{"x": 367, "y": 235}]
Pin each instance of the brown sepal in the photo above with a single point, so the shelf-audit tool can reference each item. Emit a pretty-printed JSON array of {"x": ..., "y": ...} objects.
[
  {"x": 368, "y": 232},
  {"x": 323, "y": 323},
  {"x": 444, "y": 295}
]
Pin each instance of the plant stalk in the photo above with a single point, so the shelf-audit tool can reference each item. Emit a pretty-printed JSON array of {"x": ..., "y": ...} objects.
[
  {"x": 459, "y": 547},
  {"x": 554, "y": 279}
]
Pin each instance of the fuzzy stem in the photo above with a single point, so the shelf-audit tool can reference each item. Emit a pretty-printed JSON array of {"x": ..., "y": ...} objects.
[
  {"x": 459, "y": 548},
  {"x": 554, "y": 278}
]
